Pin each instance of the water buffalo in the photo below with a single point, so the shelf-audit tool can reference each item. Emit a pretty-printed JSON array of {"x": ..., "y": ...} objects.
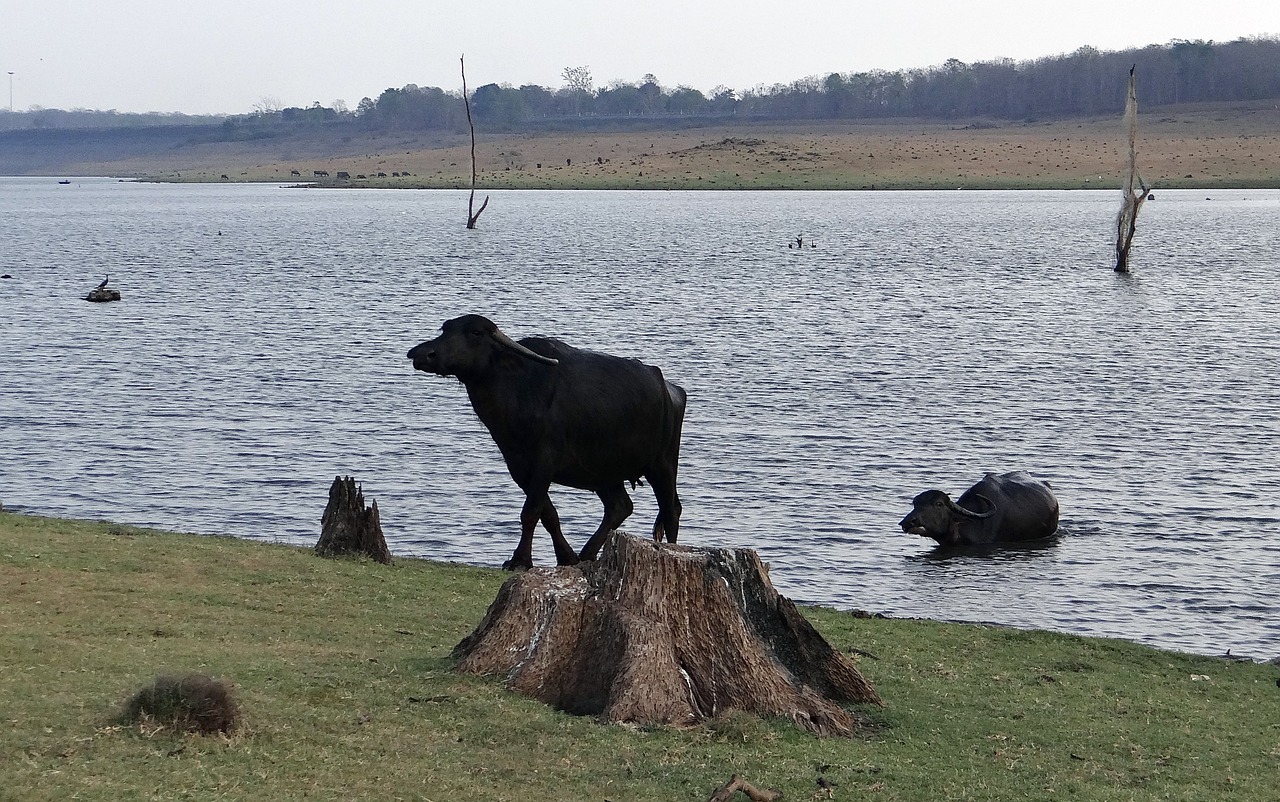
[
  {"x": 1002, "y": 508},
  {"x": 567, "y": 416}
]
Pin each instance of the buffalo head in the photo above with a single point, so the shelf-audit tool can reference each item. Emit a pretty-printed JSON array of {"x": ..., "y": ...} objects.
[
  {"x": 468, "y": 346},
  {"x": 933, "y": 514}
]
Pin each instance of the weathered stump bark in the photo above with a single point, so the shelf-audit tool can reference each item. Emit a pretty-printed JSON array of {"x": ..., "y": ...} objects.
[
  {"x": 663, "y": 634},
  {"x": 348, "y": 527}
]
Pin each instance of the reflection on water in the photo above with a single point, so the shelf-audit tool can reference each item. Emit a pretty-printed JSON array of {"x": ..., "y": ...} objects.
[
  {"x": 990, "y": 552},
  {"x": 930, "y": 337}
]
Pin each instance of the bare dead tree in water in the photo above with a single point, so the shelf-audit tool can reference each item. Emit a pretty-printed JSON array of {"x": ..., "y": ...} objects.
[
  {"x": 1127, "y": 219},
  {"x": 472, "y": 217}
]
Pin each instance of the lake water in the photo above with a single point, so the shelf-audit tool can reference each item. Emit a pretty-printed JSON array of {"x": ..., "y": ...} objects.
[{"x": 929, "y": 337}]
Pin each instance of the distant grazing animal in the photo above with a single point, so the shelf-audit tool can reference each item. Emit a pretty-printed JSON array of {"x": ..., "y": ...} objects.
[
  {"x": 344, "y": 175},
  {"x": 320, "y": 173},
  {"x": 567, "y": 416},
  {"x": 295, "y": 172},
  {"x": 1002, "y": 508}
]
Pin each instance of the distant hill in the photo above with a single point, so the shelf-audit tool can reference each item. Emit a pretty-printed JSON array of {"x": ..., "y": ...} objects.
[{"x": 49, "y": 151}]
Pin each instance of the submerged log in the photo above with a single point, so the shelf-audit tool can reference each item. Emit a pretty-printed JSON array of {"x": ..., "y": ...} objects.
[
  {"x": 664, "y": 634},
  {"x": 348, "y": 527}
]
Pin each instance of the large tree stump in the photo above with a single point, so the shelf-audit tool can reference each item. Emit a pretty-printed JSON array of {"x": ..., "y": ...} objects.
[
  {"x": 347, "y": 527},
  {"x": 664, "y": 634}
]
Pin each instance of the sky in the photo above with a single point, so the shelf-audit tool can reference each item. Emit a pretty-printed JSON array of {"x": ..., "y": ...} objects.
[{"x": 232, "y": 56}]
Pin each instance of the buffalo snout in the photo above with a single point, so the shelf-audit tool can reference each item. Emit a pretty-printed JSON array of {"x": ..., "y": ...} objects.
[
  {"x": 424, "y": 357},
  {"x": 912, "y": 524}
]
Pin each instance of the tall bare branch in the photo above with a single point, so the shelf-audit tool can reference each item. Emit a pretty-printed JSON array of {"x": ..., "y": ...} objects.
[{"x": 472, "y": 216}]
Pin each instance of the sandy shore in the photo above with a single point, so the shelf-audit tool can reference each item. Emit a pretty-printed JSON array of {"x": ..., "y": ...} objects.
[{"x": 1236, "y": 146}]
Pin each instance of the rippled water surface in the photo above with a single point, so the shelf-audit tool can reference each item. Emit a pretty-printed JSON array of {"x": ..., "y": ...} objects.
[{"x": 927, "y": 338}]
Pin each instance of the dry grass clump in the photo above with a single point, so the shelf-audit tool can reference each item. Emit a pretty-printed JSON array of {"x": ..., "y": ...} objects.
[{"x": 195, "y": 703}]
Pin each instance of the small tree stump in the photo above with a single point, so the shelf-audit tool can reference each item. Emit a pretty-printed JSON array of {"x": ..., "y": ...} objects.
[
  {"x": 347, "y": 527},
  {"x": 664, "y": 634}
]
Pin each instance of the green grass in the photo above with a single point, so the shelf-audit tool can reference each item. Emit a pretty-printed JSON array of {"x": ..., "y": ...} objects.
[{"x": 341, "y": 668}]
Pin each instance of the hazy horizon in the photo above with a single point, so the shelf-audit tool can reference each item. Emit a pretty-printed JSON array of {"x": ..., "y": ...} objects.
[{"x": 145, "y": 56}]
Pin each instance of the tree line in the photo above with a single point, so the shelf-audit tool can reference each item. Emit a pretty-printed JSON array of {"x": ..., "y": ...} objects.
[{"x": 1083, "y": 83}]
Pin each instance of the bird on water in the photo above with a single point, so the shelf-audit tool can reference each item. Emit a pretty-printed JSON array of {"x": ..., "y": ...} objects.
[{"x": 104, "y": 282}]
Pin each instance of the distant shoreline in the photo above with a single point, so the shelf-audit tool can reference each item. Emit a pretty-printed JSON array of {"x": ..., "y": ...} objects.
[{"x": 1218, "y": 147}]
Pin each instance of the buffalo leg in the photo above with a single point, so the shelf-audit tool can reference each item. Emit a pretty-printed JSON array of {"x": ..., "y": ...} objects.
[
  {"x": 667, "y": 523},
  {"x": 522, "y": 557},
  {"x": 565, "y": 555},
  {"x": 538, "y": 507},
  {"x": 617, "y": 508}
]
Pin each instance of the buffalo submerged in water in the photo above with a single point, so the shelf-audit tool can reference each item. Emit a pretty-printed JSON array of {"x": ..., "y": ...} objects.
[
  {"x": 1002, "y": 508},
  {"x": 566, "y": 416}
]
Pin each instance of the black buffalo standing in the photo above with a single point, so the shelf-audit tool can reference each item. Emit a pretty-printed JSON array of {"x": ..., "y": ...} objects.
[
  {"x": 1002, "y": 508},
  {"x": 567, "y": 416}
]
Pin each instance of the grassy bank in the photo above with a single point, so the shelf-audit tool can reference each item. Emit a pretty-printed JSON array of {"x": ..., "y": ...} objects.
[
  {"x": 341, "y": 668},
  {"x": 1202, "y": 147}
]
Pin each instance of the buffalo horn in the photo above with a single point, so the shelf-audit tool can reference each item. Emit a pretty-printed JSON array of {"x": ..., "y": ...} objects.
[
  {"x": 521, "y": 350},
  {"x": 970, "y": 513}
]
